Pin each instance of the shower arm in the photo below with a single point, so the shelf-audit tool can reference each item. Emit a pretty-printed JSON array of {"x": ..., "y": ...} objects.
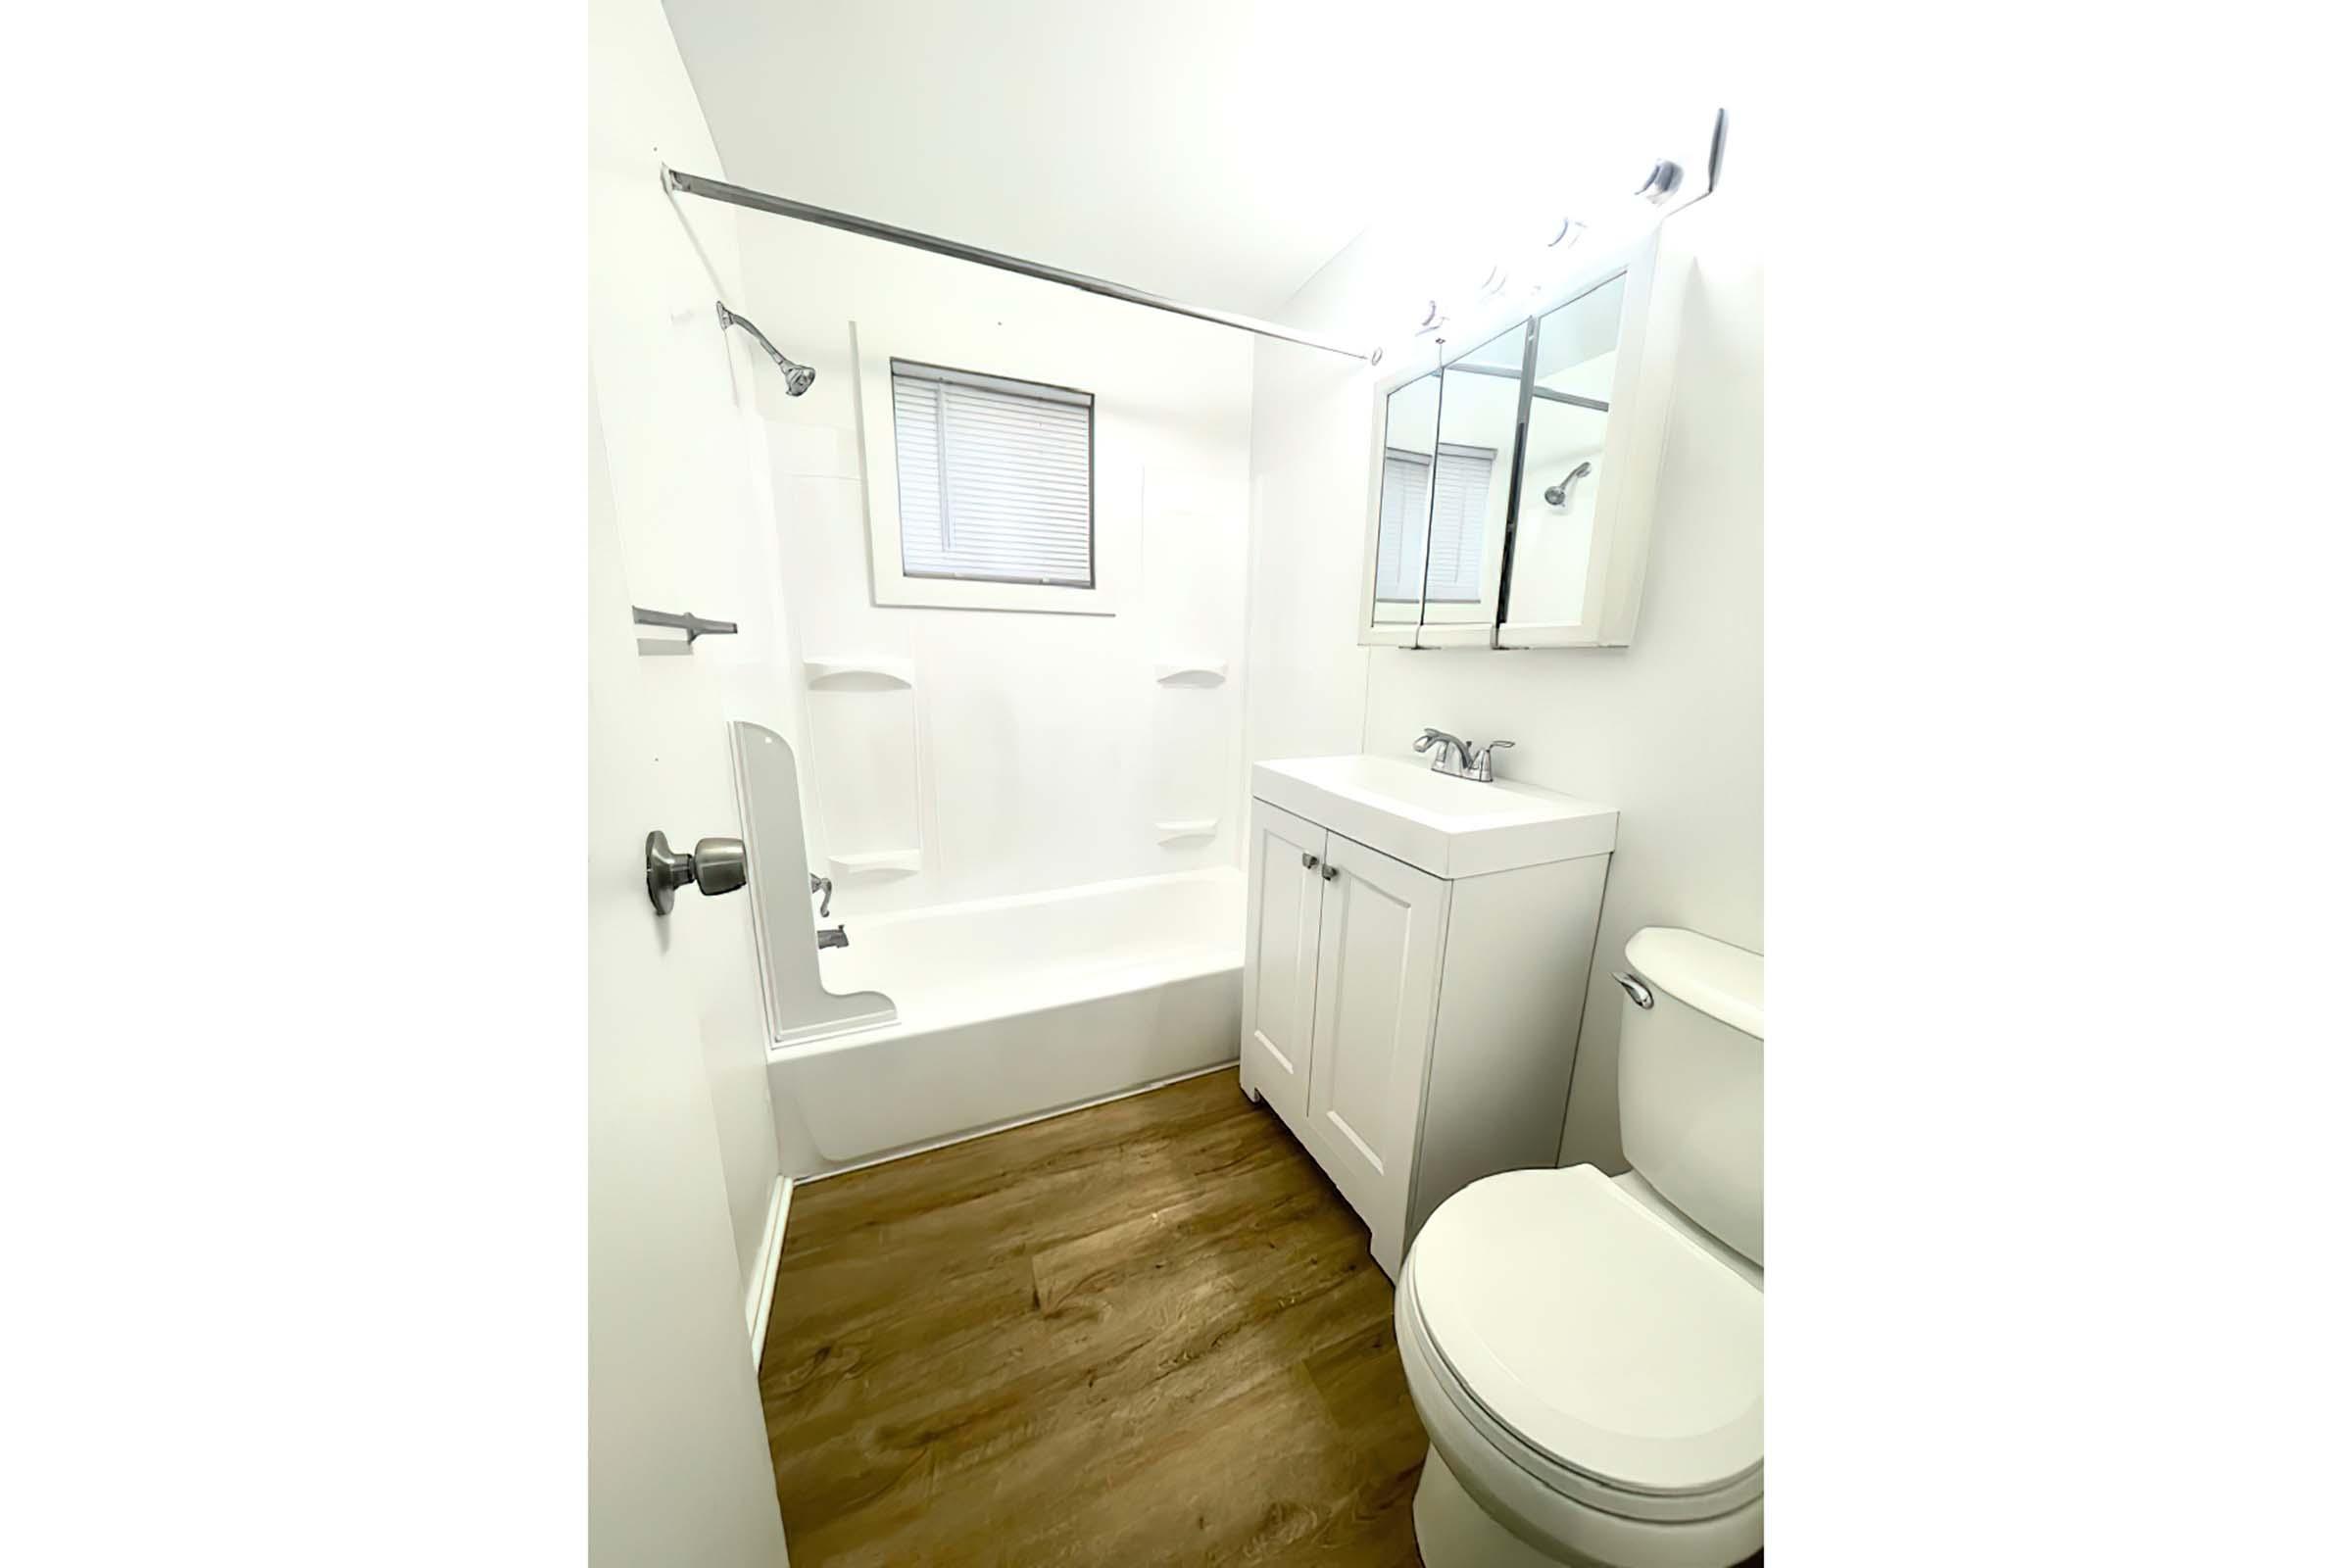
[
  {"x": 796, "y": 376},
  {"x": 1557, "y": 495}
]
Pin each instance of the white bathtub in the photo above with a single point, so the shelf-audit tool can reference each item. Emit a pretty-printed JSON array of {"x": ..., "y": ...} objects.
[{"x": 1011, "y": 1008}]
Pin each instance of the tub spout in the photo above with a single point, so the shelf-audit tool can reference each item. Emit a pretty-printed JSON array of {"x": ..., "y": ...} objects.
[{"x": 833, "y": 936}]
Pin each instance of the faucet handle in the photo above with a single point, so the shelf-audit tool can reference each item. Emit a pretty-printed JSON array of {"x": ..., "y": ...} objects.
[{"x": 1482, "y": 760}]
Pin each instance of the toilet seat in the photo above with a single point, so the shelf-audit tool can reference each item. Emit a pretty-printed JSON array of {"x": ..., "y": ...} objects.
[{"x": 1593, "y": 1345}]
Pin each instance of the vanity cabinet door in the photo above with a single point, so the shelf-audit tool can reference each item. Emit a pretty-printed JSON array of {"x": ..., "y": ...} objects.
[
  {"x": 1278, "y": 971},
  {"x": 1376, "y": 994}
]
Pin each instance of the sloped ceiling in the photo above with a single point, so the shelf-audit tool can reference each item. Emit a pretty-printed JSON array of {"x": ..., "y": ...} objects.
[{"x": 1213, "y": 150}]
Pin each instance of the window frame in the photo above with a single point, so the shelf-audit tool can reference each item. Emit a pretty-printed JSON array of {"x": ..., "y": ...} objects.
[
  {"x": 946, "y": 375},
  {"x": 893, "y": 585}
]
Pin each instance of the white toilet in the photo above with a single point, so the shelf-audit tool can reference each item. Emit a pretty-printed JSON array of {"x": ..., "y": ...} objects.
[{"x": 1586, "y": 1353}]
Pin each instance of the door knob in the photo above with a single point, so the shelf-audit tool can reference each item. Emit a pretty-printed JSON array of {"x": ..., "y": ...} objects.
[{"x": 717, "y": 865}]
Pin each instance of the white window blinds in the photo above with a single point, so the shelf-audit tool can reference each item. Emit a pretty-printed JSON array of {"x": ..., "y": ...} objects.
[
  {"x": 1458, "y": 524},
  {"x": 995, "y": 477},
  {"x": 1403, "y": 509}
]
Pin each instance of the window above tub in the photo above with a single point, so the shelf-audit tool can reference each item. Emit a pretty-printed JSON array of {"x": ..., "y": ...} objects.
[
  {"x": 995, "y": 477},
  {"x": 980, "y": 489}
]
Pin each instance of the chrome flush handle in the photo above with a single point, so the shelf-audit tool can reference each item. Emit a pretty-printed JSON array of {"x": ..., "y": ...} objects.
[{"x": 1634, "y": 989}]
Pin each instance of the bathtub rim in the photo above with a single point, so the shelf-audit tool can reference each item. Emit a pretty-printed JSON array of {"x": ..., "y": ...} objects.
[
  {"x": 1177, "y": 964},
  {"x": 1022, "y": 900}
]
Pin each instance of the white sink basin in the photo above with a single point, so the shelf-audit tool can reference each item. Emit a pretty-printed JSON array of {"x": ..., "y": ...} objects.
[{"x": 1451, "y": 827}]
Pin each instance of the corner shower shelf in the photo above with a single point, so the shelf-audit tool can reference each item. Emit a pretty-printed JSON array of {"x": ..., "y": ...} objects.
[
  {"x": 1191, "y": 827},
  {"x": 876, "y": 860},
  {"x": 1190, "y": 672},
  {"x": 860, "y": 674}
]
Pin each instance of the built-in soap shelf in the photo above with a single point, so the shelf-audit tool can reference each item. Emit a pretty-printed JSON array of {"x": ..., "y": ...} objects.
[
  {"x": 858, "y": 673},
  {"x": 1191, "y": 827},
  {"x": 871, "y": 861},
  {"x": 1190, "y": 672}
]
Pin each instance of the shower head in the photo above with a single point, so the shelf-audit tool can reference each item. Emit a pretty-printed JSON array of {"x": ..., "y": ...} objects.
[
  {"x": 797, "y": 377},
  {"x": 1557, "y": 495}
]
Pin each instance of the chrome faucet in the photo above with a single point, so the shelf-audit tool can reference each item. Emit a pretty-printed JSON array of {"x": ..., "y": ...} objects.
[
  {"x": 1454, "y": 753},
  {"x": 1459, "y": 759},
  {"x": 832, "y": 936}
]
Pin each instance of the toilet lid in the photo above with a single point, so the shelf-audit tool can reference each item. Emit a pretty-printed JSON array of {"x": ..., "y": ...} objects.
[{"x": 1594, "y": 1331}]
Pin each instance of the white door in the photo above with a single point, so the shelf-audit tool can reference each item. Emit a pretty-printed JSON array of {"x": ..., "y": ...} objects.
[
  {"x": 678, "y": 458},
  {"x": 678, "y": 1467},
  {"x": 1278, "y": 972},
  {"x": 1376, "y": 994}
]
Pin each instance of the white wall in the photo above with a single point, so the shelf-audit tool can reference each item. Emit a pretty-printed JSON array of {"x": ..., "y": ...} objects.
[
  {"x": 1670, "y": 731},
  {"x": 1034, "y": 751}
]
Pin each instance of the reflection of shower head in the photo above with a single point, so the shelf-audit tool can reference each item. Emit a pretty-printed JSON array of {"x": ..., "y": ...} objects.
[
  {"x": 797, "y": 377},
  {"x": 1557, "y": 495}
]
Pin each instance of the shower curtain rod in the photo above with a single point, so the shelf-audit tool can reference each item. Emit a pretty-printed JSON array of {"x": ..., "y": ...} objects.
[{"x": 759, "y": 200}]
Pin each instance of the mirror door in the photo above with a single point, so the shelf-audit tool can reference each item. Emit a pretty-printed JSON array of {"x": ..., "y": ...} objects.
[
  {"x": 1567, "y": 464},
  {"x": 1600, "y": 392},
  {"x": 1405, "y": 461},
  {"x": 1478, "y": 441}
]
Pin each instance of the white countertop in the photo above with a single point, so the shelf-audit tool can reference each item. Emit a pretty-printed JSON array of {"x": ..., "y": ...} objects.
[{"x": 1451, "y": 827}]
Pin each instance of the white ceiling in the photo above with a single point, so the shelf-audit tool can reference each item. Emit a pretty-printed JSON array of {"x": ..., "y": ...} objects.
[{"x": 1218, "y": 151}]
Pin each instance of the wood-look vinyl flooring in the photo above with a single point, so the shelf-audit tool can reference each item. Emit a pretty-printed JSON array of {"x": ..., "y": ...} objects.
[{"x": 1148, "y": 1332}]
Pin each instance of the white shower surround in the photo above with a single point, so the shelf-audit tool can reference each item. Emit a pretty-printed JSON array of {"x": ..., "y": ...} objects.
[{"x": 1013, "y": 1009}]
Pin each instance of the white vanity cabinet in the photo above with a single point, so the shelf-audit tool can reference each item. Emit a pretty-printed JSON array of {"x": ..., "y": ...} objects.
[{"x": 1414, "y": 979}]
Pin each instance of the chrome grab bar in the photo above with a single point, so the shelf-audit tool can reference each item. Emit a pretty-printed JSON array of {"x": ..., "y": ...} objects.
[{"x": 692, "y": 624}]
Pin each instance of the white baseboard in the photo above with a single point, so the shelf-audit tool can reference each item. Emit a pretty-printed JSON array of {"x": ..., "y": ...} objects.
[{"x": 771, "y": 1255}]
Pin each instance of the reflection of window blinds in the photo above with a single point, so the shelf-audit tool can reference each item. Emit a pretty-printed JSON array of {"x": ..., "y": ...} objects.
[
  {"x": 1457, "y": 525},
  {"x": 994, "y": 477},
  {"x": 1404, "y": 503}
]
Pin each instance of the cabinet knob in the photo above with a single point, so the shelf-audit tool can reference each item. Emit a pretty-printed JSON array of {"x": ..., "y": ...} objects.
[
  {"x": 1310, "y": 862},
  {"x": 1331, "y": 873}
]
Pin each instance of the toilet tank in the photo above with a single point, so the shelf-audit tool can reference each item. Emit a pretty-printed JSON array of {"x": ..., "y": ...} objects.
[{"x": 1691, "y": 1080}]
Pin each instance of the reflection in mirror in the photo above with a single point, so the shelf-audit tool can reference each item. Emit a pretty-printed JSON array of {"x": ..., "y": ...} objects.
[
  {"x": 1567, "y": 417},
  {"x": 1410, "y": 437},
  {"x": 1478, "y": 428}
]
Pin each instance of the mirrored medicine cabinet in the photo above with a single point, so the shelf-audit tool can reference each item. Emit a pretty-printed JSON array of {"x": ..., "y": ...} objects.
[{"x": 1512, "y": 476}]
